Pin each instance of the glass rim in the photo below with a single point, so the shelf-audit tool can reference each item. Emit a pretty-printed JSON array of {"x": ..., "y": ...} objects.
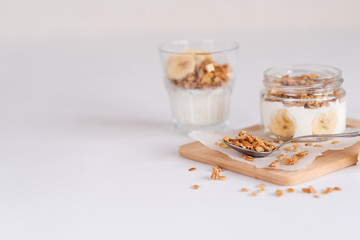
[{"x": 235, "y": 46}]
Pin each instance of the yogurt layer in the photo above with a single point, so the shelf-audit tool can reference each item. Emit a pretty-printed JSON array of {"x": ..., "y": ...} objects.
[
  {"x": 303, "y": 118},
  {"x": 200, "y": 107}
]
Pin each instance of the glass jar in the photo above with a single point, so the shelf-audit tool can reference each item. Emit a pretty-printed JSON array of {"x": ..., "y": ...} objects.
[
  {"x": 302, "y": 99},
  {"x": 199, "y": 77}
]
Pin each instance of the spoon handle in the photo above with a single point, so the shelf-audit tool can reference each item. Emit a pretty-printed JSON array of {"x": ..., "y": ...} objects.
[{"x": 348, "y": 134}]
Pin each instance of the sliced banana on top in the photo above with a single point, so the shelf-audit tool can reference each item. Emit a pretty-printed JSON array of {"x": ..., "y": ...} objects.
[
  {"x": 281, "y": 124},
  {"x": 180, "y": 65},
  {"x": 325, "y": 123}
]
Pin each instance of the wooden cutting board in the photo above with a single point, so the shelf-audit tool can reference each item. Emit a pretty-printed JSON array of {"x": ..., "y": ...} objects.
[{"x": 330, "y": 161}]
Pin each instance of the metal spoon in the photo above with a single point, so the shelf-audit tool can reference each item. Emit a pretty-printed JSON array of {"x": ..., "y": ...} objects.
[{"x": 264, "y": 154}]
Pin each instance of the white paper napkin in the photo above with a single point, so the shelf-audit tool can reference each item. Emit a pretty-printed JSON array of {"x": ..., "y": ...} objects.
[{"x": 209, "y": 138}]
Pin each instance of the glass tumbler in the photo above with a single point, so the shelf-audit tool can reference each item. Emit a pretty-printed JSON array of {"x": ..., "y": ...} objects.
[{"x": 199, "y": 77}]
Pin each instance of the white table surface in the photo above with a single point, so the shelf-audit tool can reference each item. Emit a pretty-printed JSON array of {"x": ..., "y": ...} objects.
[{"x": 88, "y": 150}]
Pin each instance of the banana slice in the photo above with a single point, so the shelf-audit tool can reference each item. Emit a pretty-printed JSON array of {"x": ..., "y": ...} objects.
[
  {"x": 199, "y": 55},
  {"x": 281, "y": 124},
  {"x": 325, "y": 122},
  {"x": 180, "y": 65}
]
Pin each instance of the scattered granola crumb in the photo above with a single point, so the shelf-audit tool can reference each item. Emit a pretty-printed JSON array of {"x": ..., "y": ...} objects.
[
  {"x": 248, "y": 158},
  {"x": 294, "y": 159},
  {"x": 296, "y": 147},
  {"x": 244, "y": 190},
  {"x": 334, "y": 142},
  {"x": 253, "y": 194},
  {"x": 192, "y": 169},
  {"x": 337, "y": 189},
  {"x": 219, "y": 168},
  {"x": 281, "y": 156},
  {"x": 195, "y": 186},
  {"x": 222, "y": 144},
  {"x": 288, "y": 148},
  {"x": 222, "y": 178},
  {"x": 262, "y": 187},
  {"x": 317, "y": 145},
  {"x": 306, "y": 190},
  {"x": 290, "y": 190},
  {"x": 302, "y": 154},
  {"x": 274, "y": 164},
  {"x": 286, "y": 161},
  {"x": 316, "y": 196},
  {"x": 328, "y": 190},
  {"x": 312, "y": 190},
  {"x": 308, "y": 144},
  {"x": 278, "y": 193},
  {"x": 215, "y": 175}
]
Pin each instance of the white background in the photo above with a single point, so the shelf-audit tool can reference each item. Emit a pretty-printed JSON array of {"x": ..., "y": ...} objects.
[
  {"x": 87, "y": 146},
  {"x": 74, "y": 17}
]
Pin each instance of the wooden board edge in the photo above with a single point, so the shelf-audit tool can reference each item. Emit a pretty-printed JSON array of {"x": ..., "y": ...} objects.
[{"x": 351, "y": 122}]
